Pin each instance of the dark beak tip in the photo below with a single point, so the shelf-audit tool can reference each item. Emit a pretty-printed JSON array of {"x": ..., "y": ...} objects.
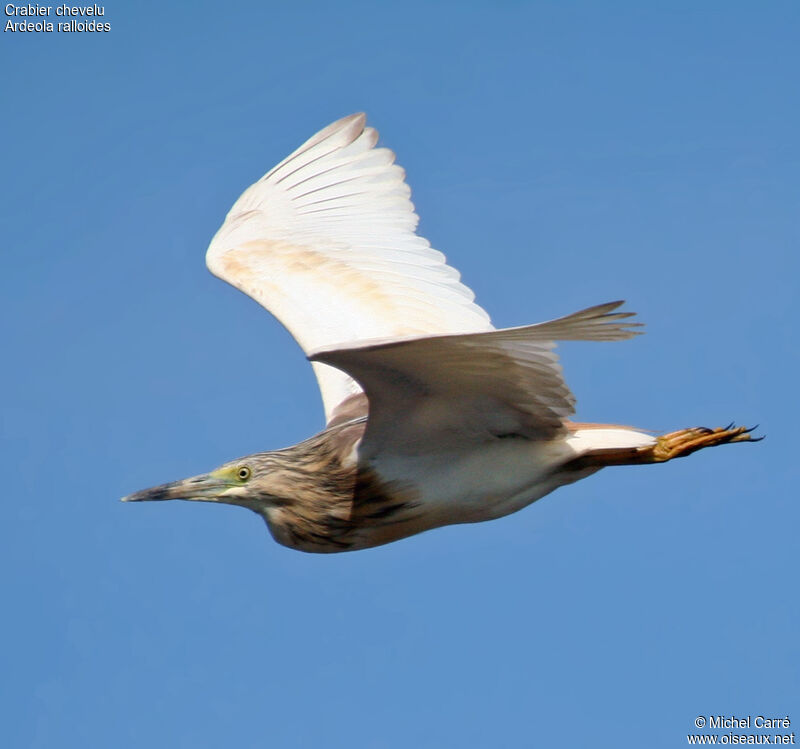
[
  {"x": 148, "y": 495},
  {"x": 199, "y": 487}
]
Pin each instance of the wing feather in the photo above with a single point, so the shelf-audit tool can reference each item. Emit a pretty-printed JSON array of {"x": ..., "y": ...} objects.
[
  {"x": 326, "y": 242},
  {"x": 427, "y": 393}
]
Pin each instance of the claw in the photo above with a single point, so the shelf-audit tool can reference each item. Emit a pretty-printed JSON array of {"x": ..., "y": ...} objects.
[
  {"x": 685, "y": 442},
  {"x": 745, "y": 435}
]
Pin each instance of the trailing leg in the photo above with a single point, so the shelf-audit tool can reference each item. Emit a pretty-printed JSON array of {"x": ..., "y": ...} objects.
[{"x": 666, "y": 447}]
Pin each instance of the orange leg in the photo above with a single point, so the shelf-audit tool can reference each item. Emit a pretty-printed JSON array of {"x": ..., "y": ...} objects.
[{"x": 666, "y": 447}]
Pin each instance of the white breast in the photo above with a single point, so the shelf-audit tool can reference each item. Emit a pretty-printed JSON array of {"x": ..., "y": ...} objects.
[
  {"x": 480, "y": 484},
  {"x": 497, "y": 478}
]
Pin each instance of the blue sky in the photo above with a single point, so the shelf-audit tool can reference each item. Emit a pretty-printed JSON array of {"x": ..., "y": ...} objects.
[{"x": 562, "y": 155}]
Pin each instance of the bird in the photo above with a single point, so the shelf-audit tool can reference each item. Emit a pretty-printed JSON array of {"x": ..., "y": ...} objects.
[{"x": 433, "y": 417}]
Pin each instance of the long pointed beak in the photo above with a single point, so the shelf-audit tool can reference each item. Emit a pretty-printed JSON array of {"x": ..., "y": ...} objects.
[{"x": 205, "y": 488}]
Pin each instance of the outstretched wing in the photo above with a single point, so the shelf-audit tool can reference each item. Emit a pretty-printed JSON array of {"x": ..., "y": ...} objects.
[
  {"x": 428, "y": 393},
  {"x": 326, "y": 242}
]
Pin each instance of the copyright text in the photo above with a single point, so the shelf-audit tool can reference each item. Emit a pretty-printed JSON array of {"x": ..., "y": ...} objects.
[{"x": 743, "y": 729}]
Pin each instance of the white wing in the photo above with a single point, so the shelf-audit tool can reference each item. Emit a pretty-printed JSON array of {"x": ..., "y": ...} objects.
[
  {"x": 429, "y": 393},
  {"x": 326, "y": 242}
]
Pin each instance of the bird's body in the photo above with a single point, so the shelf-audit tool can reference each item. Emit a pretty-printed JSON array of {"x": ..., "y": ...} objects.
[
  {"x": 356, "y": 504},
  {"x": 434, "y": 417}
]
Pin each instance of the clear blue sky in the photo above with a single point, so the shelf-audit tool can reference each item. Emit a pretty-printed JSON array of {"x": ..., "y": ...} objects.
[{"x": 562, "y": 155}]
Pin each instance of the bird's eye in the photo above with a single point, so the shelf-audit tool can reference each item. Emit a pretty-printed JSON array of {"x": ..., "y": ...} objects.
[{"x": 243, "y": 473}]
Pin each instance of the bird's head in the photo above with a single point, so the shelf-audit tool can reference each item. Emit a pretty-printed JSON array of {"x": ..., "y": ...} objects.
[
  {"x": 245, "y": 482},
  {"x": 305, "y": 492}
]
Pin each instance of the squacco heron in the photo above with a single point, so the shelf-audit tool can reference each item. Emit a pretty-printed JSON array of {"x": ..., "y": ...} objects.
[{"x": 433, "y": 416}]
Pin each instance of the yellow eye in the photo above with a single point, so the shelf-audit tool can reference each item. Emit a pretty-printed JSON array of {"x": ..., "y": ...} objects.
[{"x": 243, "y": 473}]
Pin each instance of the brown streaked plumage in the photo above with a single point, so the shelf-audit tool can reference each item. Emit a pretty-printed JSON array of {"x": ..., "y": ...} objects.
[{"x": 433, "y": 416}]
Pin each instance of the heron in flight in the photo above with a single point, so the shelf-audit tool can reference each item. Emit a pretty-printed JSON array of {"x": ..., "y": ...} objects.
[{"x": 434, "y": 417}]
